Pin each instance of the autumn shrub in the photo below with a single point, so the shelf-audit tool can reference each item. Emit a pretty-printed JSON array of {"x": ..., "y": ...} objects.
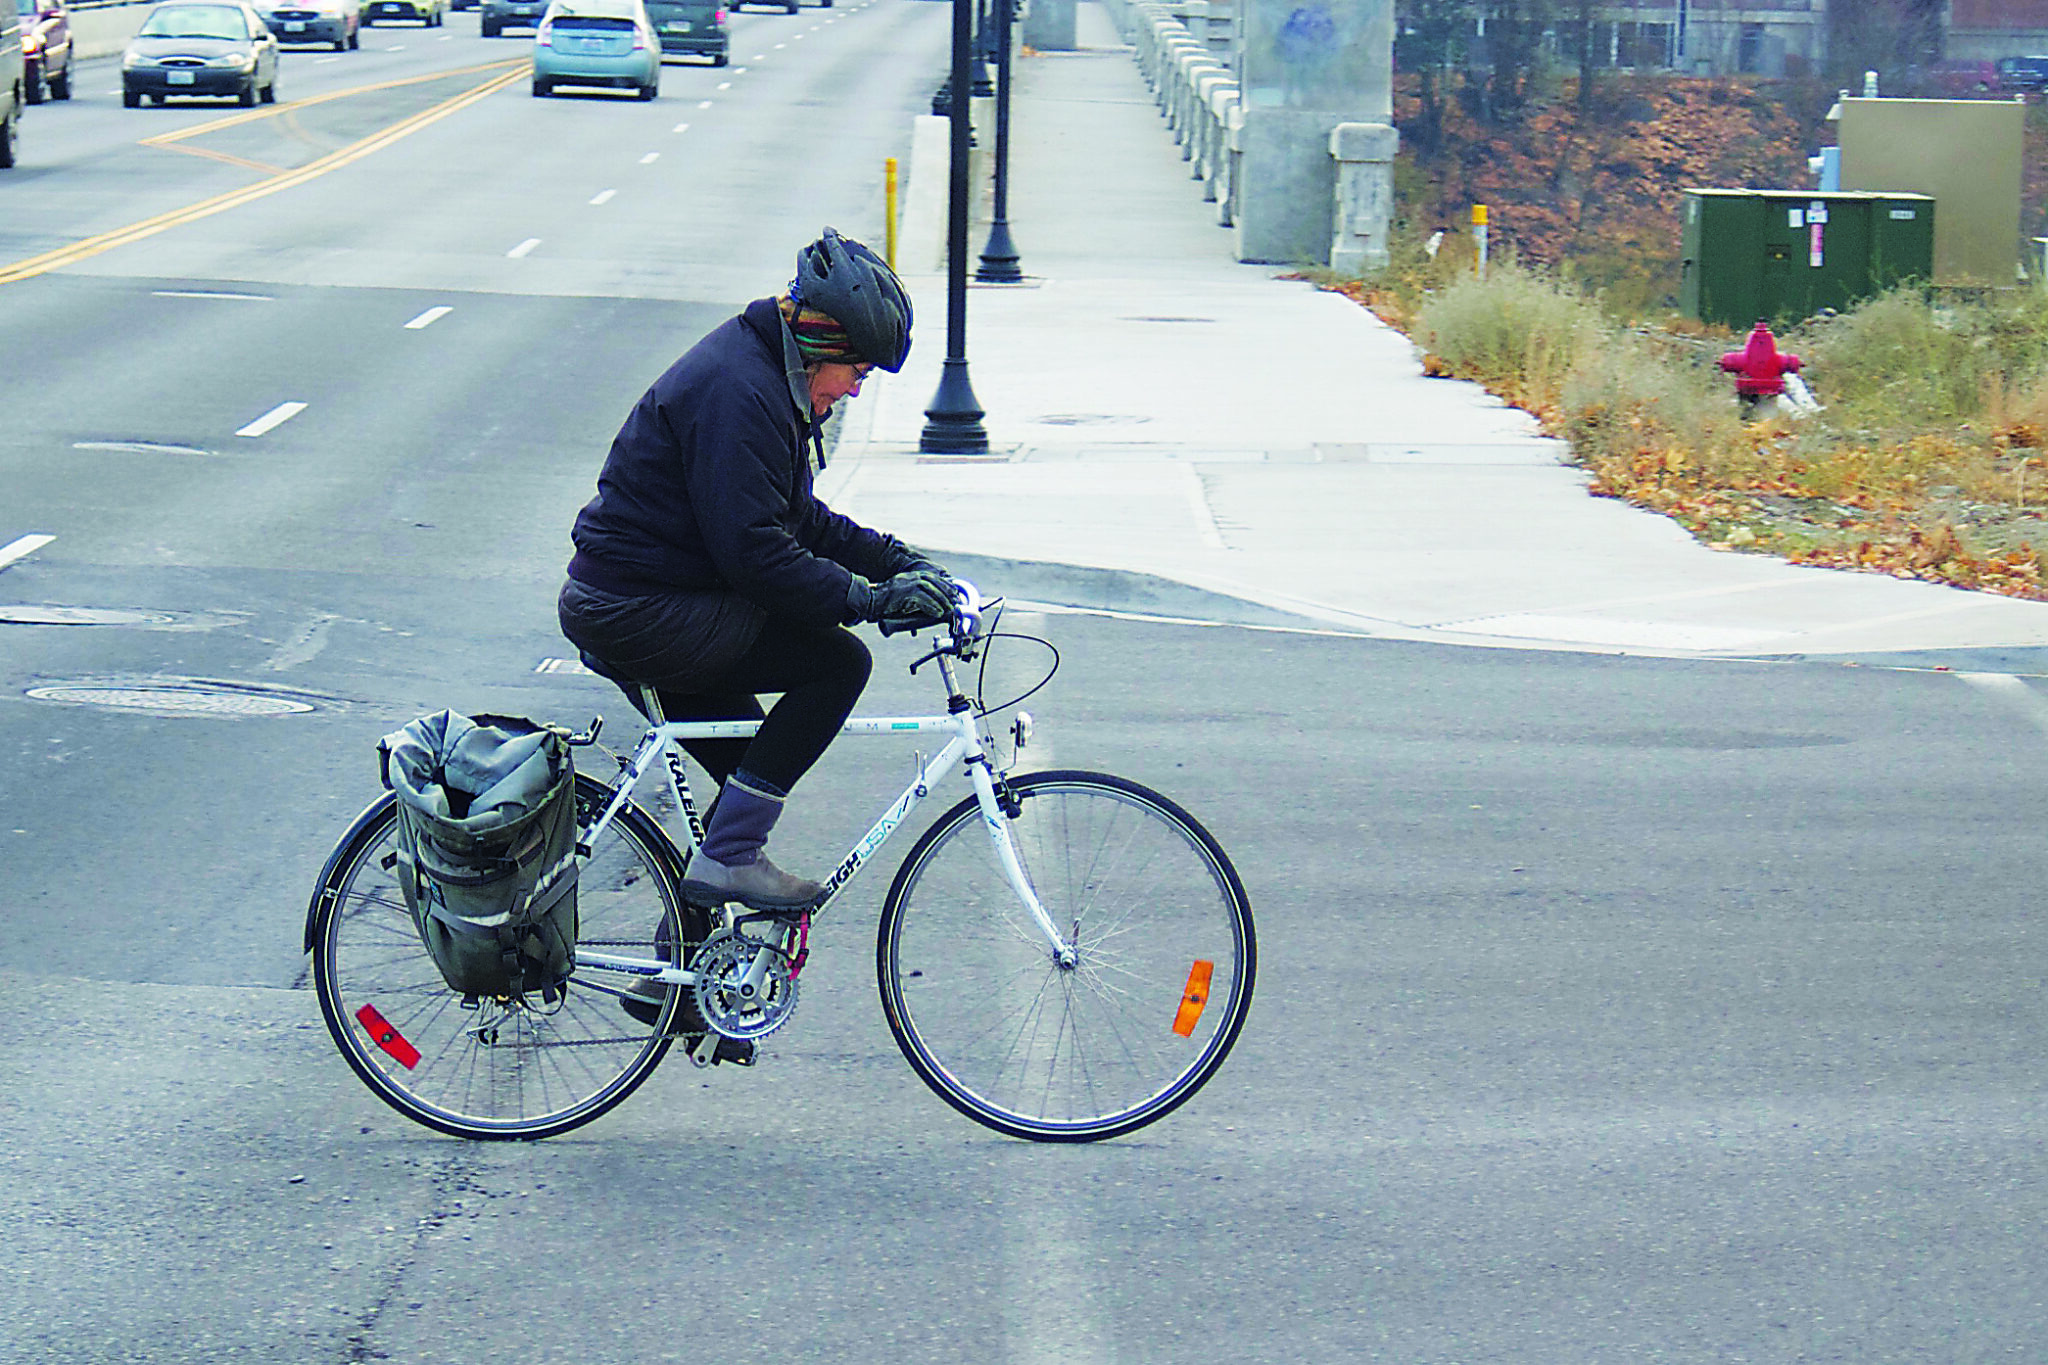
[{"x": 1518, "y": 331}]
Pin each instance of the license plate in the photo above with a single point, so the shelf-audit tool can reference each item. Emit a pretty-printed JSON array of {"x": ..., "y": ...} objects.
[
  {"x": 178, "y": 78},
  {"x": 295, "y": 26}
]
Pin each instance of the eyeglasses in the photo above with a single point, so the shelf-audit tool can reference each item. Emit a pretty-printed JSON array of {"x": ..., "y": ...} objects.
[{"x": 861, "y": 370}]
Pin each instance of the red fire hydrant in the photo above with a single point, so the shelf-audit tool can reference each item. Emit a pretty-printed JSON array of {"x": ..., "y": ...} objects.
[{"x": 1759, "y": 369}]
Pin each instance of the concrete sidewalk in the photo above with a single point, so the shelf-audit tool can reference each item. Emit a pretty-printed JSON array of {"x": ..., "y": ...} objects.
[{"x": 1156, "y": 408}]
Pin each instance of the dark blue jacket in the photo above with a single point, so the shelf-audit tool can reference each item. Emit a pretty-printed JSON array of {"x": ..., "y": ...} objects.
[{"x": 708, "y": 486}]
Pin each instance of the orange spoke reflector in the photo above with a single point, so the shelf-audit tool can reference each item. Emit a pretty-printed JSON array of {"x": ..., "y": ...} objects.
[
  {"x": 392, "y": 1041},
  {"x": 1193, "y": 998}
]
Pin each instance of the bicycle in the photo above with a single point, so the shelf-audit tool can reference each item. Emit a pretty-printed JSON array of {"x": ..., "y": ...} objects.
[{"x": 1062, "y": 956}]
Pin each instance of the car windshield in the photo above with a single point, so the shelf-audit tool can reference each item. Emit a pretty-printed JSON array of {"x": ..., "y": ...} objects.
[{"x": 195, "y": 21}]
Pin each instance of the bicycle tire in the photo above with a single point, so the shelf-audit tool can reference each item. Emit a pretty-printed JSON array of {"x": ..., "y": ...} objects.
[
  {"x": 1004, "y": 1033},
  {"x": 455, "y": 1070}
]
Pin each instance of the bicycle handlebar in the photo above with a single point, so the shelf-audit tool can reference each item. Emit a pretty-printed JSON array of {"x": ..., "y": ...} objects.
[{"x": 966, "y": 623}]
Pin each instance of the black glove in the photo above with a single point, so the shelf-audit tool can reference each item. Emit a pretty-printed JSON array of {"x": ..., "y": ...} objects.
[
  {"x": 902, "y": 559},
  {"x": 921, "y": 597}
]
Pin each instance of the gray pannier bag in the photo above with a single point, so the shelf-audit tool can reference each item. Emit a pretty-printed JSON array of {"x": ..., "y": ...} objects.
[{"x": 487, "y": 849}]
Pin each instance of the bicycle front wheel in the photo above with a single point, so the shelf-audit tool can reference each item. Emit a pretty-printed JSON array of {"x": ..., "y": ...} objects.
[
  {"x": 1108, "y": 1041},
  {"x": 523, "y": 1068}
]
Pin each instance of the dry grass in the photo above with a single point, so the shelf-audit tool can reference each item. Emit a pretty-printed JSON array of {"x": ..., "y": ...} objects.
[{"x": 1930, "y": 459}]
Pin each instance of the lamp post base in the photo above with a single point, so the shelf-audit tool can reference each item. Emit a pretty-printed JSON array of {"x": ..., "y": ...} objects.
[
  {"x": 953, "y": 422},
  {"x": 999, "y": 261}
]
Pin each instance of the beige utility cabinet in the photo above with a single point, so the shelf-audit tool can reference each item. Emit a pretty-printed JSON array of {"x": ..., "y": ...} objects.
[{"x": 1966, "y": 155}]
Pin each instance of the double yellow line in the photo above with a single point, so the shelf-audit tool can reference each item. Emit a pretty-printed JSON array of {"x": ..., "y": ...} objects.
[{"x": 507, "y": 73}]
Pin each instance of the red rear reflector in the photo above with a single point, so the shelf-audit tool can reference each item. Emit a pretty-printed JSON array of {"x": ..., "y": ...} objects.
[
  {"x": 1193, "y": 998},
  {"x": 392, "y": 1041}
]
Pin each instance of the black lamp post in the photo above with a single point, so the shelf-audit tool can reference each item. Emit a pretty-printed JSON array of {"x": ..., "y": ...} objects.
[
  {"x": 999, "y": 257},
  {"x": 952, "y": 423}
]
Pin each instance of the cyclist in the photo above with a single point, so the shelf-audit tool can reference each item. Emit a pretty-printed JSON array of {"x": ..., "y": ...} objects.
[{"x": 707, "y": 569}]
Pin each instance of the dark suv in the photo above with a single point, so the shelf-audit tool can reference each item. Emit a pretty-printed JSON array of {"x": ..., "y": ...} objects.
[
  {"x": 2023, "y": 73},
  {"x": 45, "y": 49},
  {"x": 693, "y": 28}
]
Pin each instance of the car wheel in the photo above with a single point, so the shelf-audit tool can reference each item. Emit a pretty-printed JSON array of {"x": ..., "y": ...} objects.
[
  {"x": 10, "y": 138},
  {"x": 270, "y": 91},
  {"x": 341, "y": 44},
  {"x": 32, "y": 92},
  {"x": 131, "y": 99},
  {"x": 487, "y": 29},
  {"x": 60, "y": 86},
  {"x": 648, "y": 92},
  {"x": 541, "y": 87},
  {"x": 719, "y": 60},
  {"x": 247, "y": 99},
  {"x": 355, "y": 41}
]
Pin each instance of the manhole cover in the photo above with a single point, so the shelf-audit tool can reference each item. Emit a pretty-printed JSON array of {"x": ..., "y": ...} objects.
[
  {"x": 80, "y": 616},
  {"x": 181, "y": 698}
]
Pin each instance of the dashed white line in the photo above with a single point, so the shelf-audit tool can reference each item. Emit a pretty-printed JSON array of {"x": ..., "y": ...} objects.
[
  {"x": 322, "y": 61},
  {"x": 22, "y": 548},
  {"x": 211, "y": 294},
  {"x": 529, "y": 244},
  {"x": 276, "y": 417},
  {"x": 428, "y": 318},
  {"x": 724, "y": 85},
  {"x": 704, "y": 104},
  {"x": 650, "y": 158},
  {"x": 680, "y": 128},
  {"x": 603, "y": 197}
]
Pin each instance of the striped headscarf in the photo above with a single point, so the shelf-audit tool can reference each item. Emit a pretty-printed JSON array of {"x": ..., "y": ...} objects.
[{"x": 818, "y": 336}]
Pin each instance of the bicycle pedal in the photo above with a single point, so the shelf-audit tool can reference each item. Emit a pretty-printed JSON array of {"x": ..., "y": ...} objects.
[{"x": 712, "y": 1048}]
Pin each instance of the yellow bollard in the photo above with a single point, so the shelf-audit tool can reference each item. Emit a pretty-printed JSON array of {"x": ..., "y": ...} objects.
[
  {"x": 889, "y": 212},
  {"x": 1479, "y": 235}
]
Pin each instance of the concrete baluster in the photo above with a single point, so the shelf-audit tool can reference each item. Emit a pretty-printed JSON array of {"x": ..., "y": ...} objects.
[{"x": 1364, "y": 153}]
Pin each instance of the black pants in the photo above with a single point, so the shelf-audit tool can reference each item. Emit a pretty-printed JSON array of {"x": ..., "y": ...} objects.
[{"x": 819, "y": 670}]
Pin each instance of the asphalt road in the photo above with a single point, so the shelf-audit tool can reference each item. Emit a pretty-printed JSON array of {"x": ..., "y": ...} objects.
[{"x": 1609, "y": 1009}]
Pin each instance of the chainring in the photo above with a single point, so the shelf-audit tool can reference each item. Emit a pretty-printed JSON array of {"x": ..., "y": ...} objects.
[{"x": 744, "y": 986}]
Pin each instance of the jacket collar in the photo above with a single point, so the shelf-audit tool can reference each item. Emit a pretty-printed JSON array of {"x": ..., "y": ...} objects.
[{"x": 766, "y": 321}]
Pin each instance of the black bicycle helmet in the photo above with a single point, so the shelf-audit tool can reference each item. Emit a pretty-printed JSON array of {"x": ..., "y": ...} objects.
[{"x": 856, "y": 288}]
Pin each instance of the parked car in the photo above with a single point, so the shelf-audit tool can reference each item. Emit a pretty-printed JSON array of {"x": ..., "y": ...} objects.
[
  {"x": 498, "y": 15},
  {"x": 597, "y": 42},
  {"x": 786, "y": 6},
  {"x": 338, "y": 22},
  {"x": 45, "y": 50},
  {"x": 200, "y": 47},
  {"x": 2023, "y": 73},
  {"x": 691, "y": 28},
  {"x": 1964, "y": 78},
  {"x": 10, "y": 88},
  {"x": 430, "y": 13}
]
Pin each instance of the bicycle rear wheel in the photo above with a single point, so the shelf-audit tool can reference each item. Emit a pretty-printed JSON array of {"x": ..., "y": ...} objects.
[
  {"x": 505, "y": 1069},
  {"x": 1016, "y": 1040}
]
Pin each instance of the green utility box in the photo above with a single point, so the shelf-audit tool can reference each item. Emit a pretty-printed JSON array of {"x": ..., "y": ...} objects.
[{"x": 1751, "y": 255}]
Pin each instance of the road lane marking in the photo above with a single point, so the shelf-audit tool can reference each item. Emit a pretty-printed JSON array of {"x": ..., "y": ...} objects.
[
  {"x": 322, "y": 61},
  {"x": 22, "y": 548},
  {"x": 602, "y": 197},
  {"x": 269, "y": 421},
  {"x": 428, "y": 318},
  {"x": 2014, "y": 693},
  {"x": 680, "y": 128},
  {"x": 724, "y": 85},
  {"x": 523, "y": 248},
  {"x": 312, "y": 170},
  {"x": 704, "y": 104},
  {"x": 211, "y": 294},
  {"x": 650, "y": 158}
]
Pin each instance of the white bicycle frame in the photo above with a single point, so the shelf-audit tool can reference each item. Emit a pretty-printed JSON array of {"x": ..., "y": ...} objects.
[{"x": 964, "y": 745}]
